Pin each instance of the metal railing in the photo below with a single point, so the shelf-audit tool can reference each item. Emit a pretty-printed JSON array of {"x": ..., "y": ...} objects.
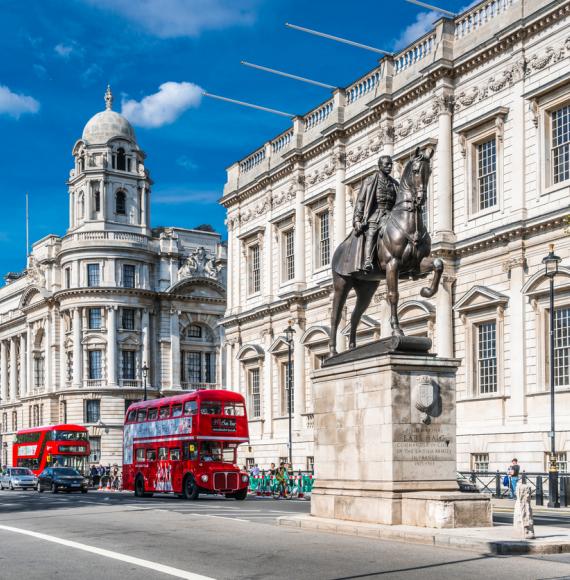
[{"x": 493, "y": 482}]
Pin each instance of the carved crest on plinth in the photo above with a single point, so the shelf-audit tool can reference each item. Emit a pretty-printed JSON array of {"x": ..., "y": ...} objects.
[{"x": 427, "y": 398}]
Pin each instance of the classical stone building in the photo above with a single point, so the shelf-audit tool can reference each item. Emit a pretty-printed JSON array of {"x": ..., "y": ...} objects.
[
  {"x": 489, "y": 91},
  {"x": 92, "y": 307}
]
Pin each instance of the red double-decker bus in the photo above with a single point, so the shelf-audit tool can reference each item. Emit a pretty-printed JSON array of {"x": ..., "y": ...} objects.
[
  {"x": 186, "y": 444},
  {"x": 51, "y": 446}
]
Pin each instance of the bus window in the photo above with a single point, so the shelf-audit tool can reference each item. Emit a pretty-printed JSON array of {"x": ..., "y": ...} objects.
[
  {"x": 211, "y": 408},
  {"x": 175, "y": 454},
  {"x": 141, "y": 415},
  {"x": 190, "y": 408},
  {"x": 131, "y": 417},
  {"x": 164, "y": 412},
  {"x": 176, "y": 410},
  {"x": 234, "y": 409},
  {"x": 152, "y": 414},
  {"x": 140, "y": 455},
  {"x": 162, "y": 453},
  {"x": 151, "y": 454},
  {"x": 190, "y": 451}
]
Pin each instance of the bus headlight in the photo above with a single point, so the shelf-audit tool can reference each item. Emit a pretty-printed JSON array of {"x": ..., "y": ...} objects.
[
  {"x": 244, "y": 478},
  {"x": 204, "y": 478}
]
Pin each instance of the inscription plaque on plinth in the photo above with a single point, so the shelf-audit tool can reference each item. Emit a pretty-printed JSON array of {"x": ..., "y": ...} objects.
[{"x": 385, "y": 443}]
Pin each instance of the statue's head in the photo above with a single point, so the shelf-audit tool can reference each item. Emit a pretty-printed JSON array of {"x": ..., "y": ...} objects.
[
  {"x": 385, "y": 164},
  {"x": 201, "y": 252}
]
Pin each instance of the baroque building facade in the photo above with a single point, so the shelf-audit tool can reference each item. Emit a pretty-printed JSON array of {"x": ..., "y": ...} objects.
[
  {"x": 489, "y": 91},
  {"x": 110, "y": 297}
]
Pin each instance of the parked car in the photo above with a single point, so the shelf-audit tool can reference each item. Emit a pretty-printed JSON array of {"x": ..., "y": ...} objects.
[
  {"x": 17, "y": 477},
  {"x": 466, "y": 485},
  {"x": 61, "y": 478}
]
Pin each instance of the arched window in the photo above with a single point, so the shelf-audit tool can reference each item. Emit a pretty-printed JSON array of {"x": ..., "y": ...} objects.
[
  {"x": 121, "y": 159},
  {"x": 194, "y": 331},
  {"x": 121, "y": 203}
]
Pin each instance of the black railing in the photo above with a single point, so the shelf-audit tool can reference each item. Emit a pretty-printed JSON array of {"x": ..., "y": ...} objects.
[{"x": 493, "y": 482}]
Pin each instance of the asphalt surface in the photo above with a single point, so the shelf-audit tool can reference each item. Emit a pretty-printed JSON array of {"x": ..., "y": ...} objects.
[{"x": 105, "y": 535}]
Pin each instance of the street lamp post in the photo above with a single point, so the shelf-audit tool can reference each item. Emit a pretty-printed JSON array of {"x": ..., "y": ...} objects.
[
  {"x": 289, "y": 332},
  {"x": 145, "y": 375},
  {"x": 550, "y": 270}
]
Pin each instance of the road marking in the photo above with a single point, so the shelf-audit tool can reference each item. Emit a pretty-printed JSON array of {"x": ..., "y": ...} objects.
[
  {"x": 219, "y": 517},
  {"x": 176, "y": 572}
]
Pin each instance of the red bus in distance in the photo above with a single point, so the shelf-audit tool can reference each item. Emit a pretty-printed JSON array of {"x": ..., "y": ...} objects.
[
  {"x": 51, "y": 446},
  {"x": 186, "y": 444}
]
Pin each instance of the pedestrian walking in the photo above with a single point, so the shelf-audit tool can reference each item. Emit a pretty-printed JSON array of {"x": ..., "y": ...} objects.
[{"x": 513, "y": 474}]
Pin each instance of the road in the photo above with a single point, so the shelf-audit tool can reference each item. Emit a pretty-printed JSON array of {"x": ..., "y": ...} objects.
[{"x": 104, "y": 535}]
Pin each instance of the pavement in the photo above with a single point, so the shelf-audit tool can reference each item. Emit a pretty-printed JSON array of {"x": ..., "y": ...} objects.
[{"x": 117, "y": 536}]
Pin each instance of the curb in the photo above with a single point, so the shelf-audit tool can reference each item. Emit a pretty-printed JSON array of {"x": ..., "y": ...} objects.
[{"x": 427, "y": 536}]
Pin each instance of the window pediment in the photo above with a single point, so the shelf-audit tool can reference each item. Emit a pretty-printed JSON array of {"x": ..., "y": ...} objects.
[
  {"x": 368, "y": 325},
  {"x": 250, "y": 352},
  {"x": 316, "y": 335},
  {"x": 279, "y": 346},
  {"x": 480, "y": 297},
  {"x": 416, "y": 311},
  {"x": 539, "y": 284}
]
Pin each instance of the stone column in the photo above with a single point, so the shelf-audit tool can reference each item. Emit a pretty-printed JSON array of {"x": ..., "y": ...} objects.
[
  {"x": 112, "y": 346},
  {"x": 267, "y": 389},
  {"x": 268, "y": 257},
  {"x": 145, "y": 326},
  {"x": 340, "y": 197},
  {"x": 444, "y": 223},
  {"x": 444, "y": 317},
  {"x": 77, "y": 349},
  {"x": 298, "y": 380},
  {"x": 144, "y": 219},
  {"x": 300, "y": 249},
  {"x": 518, "y": 106},
  {"x": 4, "y": 370},
  {"x": 62, "y": 354},
  {"x": 517, "y": 403},
  {"x": 174, "y": 350},
  {"x": 23, "y": 367},
  {"x": 230, "y": 278},
  {"x": 30, "y": 360},
  {"x": 13, "y": 370},
  {"x": 71, "y": 209},
  {"x": 48, "y": 385}
]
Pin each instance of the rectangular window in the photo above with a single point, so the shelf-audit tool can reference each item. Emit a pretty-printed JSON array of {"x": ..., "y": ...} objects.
[
  {"x": 487, "y": 357},
  {"x": 561, "y": 461},
  {"x": 128, "y": 319},
  {"x": 93, "y": 278},
  {"x": 562, "y": 347},
  {"x": 95, "y": 364},
  {"x": 95, "y": 445},
  {"x": 151, "y": 454},
  {"x": 175, "y": 454},
  {"x": 94, "y": 318},
  {"x": 561, "y": 144},
  {"x": 152, "y": 414},
  {"x": 254, "y": 394},
  {"x": 310, "y": 463},
  {"x": 140, "y": 455},
  {"x": 193, "y": 367},
  {"x": 254, "y": 269},
  {"x": 128, "y": 276},
  {"x": 92, "y": 410},
  {"x": 39, "y": 370},
  {"x": 208, "y": 367},
  {"x": 324, "y": 250},
  {"x": 128, "y": 364},
  {"x": 68, "y": 277},
  {"x": 480, "y": 461},
  {"x": 288, "y": 255},
  {"x": 249, "y": 462},
  {"x": 487, "y": 173},
  {"x": 191, "y": 408},
  {"x": 286, "y": 373}
]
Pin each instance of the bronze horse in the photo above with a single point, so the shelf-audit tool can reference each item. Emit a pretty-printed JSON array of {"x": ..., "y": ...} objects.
[{"x": 402, "y": 252}]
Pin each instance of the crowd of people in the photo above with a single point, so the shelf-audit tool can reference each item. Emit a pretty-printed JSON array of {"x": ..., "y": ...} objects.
[{"x": 99, "y": 474}]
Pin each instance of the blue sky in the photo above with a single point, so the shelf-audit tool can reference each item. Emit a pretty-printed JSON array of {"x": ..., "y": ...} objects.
[{"x": 158, "y": 55}]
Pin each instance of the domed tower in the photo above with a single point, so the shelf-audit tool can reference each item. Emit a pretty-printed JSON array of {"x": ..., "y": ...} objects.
[{"x": 109, "y": 186}]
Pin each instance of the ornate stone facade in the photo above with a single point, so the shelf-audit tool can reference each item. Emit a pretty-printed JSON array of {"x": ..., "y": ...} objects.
[
  {"x": 95, "y": 305},
  {"x": 489, "y": 92}
]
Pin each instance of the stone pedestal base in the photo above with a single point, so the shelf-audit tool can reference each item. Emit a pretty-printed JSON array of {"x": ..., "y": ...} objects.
[{"x": 385, "y": 443}]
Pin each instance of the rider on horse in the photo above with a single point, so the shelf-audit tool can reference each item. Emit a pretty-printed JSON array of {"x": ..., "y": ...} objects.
[{"x": 373, "y": 206}]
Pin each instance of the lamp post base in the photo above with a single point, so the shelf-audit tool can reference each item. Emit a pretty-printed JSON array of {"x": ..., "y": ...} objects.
[{"x": 553, "y": 500}]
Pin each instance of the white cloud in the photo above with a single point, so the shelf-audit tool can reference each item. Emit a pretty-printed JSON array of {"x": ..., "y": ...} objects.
[
  {"x": 174, "y": 18},
  {"x": 163, "y": 107},
  {"x": 14, "y": 105},
  {"x": 423, "y": 22},
  {"x": 186, "y": 162},
  {"x": 63, "y": 50}
]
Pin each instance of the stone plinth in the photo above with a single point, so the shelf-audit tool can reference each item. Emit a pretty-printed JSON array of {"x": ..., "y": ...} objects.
[{"x": 385, "y": 444}]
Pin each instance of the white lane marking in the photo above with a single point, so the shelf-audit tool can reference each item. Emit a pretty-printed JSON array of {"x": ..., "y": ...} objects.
[
  {"x": 219, "y": 517},
  {"x": 176, "y": 572}
]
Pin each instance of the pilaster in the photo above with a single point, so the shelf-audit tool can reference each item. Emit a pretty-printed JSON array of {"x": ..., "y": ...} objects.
[
  {"x": 112, "y": 346},
  {"x": 77, "y": 348}
]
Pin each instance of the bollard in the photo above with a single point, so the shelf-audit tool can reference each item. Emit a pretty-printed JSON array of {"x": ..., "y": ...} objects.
[
  {"x": 523, "y": 477},
  {"x": 563, "y": 491},
  {"x": 473, "y": 477},
  {"x": 539, "y": 493},
  {"x": 498, "y": 484}
]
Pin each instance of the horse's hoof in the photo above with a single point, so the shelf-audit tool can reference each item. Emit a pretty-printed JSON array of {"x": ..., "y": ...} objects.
[{"x": 427, "y": 292}]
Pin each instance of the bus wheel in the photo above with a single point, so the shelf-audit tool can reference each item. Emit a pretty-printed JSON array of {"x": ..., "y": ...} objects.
[
  {"x": 189, "y": 488},
  {"x": 240, "y": 495},
  {"x": 139, "y": 486}
]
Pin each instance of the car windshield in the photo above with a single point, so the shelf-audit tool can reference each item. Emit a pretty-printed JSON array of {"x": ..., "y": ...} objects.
[
  {"x": 21, "y": 472},
  {"x": 65, "y": 471}
]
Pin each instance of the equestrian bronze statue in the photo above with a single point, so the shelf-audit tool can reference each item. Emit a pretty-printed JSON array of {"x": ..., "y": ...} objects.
[{"x": 389, "y": 241}]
